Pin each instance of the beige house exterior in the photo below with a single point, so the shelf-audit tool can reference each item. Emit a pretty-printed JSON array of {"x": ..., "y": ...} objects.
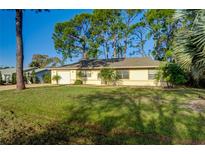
[{"x": 133, "y": 71}]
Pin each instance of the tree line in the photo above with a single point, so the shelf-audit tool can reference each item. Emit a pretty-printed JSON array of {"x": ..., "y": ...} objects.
[{"x": 115, "y": 34}]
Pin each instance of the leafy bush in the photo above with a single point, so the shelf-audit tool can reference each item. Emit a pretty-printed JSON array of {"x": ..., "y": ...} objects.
[
  {"x": 109, "y": 76},
  {"x": 78, "y": 82},
  {"x": 25, "y": 78},
  {"x": 56, "y": 78},
  {"x": 1, "y": 80},
  {"x": 172, "y": 74},
  {"x": 82, "y": 75},
  {"x": 33, "y": 77},
  {"x": 79, "y": 75},
  {"x": 13, "y": 78},
  {"x": 47, "y": 77}
]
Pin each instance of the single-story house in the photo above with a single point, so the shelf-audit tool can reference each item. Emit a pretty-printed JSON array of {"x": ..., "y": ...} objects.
[
  {"x": 7, "y": 73},
  {"x": 132, "y": 71}
]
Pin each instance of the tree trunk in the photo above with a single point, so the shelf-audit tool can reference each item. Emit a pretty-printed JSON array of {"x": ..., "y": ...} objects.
[
  {"x": 85, "y": 56},
  {"x": 19, "y": 51},
  {"x": 114, "y": 46},
  {"x": 125, "y": 49},
  {"x": 106, "y": 50}
]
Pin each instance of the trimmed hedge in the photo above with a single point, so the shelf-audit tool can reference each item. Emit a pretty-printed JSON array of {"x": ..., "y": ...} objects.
[{"x": 78, "y": 82}]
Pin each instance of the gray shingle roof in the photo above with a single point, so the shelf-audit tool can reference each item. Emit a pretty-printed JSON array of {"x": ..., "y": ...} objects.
[
  {"x": 13, "y": 70},
  {"x": 40, "y": 69},
  {"x": 144, "y": 62}
]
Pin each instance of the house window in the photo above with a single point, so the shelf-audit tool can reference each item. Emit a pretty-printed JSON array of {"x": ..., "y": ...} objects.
[
  {"x": 151, "y": 74},
  {"x": 85, "y": 73},
  {"x": 123, "y": 74}
]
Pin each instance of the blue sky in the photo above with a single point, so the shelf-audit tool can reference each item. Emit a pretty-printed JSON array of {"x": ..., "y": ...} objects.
[{"x": 37, "y": 32}]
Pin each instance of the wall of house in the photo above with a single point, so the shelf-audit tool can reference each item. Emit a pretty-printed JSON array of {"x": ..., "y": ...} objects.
[
  {"x": 53, "y": 72},
  {"x": 93, "y": 79},
  {"x": 137, "y": 77},
  {"x": 138, "y": 74},
  {"x": 72, "y": 75},
  {"x": 139, "y": 82}
]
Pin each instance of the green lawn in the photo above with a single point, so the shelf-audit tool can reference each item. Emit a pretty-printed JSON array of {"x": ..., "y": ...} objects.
[{"x": 100, "y": 115}]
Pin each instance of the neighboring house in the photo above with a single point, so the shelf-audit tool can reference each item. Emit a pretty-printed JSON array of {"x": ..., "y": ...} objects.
[
  {"x": 132, "y": 71},
  {"x": 7, "y": 73}
]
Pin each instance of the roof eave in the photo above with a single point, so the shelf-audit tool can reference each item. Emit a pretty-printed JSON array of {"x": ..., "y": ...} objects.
[{"x": 96, "y": 68}]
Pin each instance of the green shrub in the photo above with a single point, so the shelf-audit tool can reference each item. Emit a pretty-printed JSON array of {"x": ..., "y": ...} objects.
[
  {"x": 81, "y": 75},
  {"x": 25, "y": 78},
  {"x": 56, "y": 78},
  {"x": 47, "y": 77},
  {"x": 33, "y": 77},
  {"x": 13, "y": 78},
  {"x": 172, "y": 74},
  {"x": 109, "y": 76},
  {"x": 78, "y": 82}
]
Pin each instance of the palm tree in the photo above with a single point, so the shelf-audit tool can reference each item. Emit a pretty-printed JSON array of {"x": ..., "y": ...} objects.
[
  {"x": 19, "y": 51},
  {"x": 56, "y": 78},
  {"x": 189, "y": 43}
]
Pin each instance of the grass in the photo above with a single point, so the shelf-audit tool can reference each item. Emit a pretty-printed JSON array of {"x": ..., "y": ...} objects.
[{"x": 100, "y": 115}]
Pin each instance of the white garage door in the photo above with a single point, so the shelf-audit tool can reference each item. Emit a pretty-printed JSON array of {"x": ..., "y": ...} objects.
[{"x": 65, "y": 77}]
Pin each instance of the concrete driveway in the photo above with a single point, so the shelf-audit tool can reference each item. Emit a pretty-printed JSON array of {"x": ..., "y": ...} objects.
[{"x": 10, "y": 87}]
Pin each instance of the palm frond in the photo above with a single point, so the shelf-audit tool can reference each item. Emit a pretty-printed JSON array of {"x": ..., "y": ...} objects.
[{"x": 189, "y": 42}]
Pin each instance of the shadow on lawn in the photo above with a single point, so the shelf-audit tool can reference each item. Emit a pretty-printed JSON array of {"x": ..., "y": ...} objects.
[{"x": 127, "y": 125}]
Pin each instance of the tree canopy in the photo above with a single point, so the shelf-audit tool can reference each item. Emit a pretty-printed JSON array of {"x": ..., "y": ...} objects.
[
  {"x": 104, "y": 32},
  {"x": 161, "y": 28},
  {"x": 41, "y": 61},
  {"x": 73, "y": 37}
]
